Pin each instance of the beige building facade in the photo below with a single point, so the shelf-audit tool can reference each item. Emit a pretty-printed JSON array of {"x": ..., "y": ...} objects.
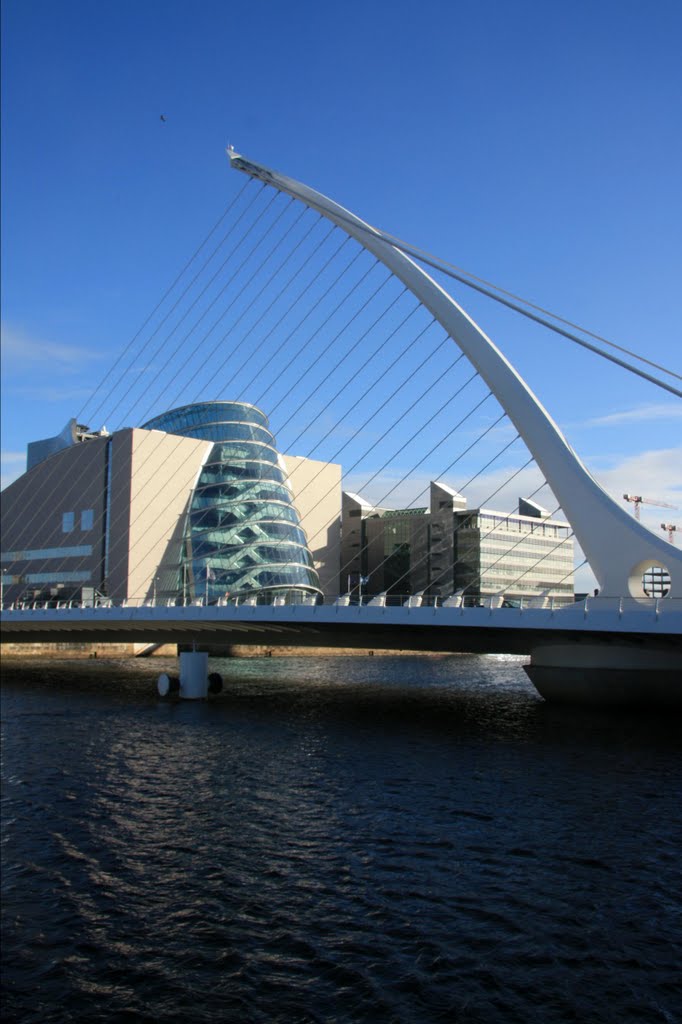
[
  {"x": 316, "y": 491},
  {"x": 447, "y": 548},
  {"x": 108, "y": 515}
]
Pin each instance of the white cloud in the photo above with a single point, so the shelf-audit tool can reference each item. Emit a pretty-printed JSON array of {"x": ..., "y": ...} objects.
[
  {"x": 21, "y": 349},
  {"x": 655, "y": 474},
  {"x": 54, "y": 394},
  {"x": 639, "y": 414}
]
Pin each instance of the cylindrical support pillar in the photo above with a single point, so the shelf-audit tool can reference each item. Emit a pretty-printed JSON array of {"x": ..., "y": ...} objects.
[{"x": 194, "y": 675}]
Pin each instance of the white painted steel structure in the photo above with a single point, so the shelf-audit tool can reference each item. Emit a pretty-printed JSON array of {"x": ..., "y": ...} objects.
[
  {"x": 621, "y": 645},
  {"x": 596, "y": 651},
  {"x": 618, "y": 548},
  {"x": 660, "y": 618}
]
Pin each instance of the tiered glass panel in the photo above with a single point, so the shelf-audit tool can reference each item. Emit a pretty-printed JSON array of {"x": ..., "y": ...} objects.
[{"x": 243, "y": 533}]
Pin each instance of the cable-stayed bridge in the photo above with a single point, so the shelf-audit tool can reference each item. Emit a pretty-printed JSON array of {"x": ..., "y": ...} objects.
[
  {"x": 342, "y": 334},
  {"x": 593, "y": 650}
]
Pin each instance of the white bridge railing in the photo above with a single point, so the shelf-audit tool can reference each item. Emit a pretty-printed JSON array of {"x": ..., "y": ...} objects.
[{"x": 497, "y": 602}]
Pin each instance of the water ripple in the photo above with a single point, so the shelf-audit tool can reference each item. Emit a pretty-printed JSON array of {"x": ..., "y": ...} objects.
[{"x": 349, "y": 840}]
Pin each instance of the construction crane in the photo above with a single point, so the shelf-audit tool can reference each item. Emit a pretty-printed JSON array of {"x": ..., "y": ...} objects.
[
  {"x": 670, "y": 528},
  {"x": 638, "y": 500}
]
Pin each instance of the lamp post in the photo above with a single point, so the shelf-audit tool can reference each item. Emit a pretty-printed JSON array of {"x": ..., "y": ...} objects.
[
  {"x": 155, "y": 581},
  {"x": 2, "y": 587}
]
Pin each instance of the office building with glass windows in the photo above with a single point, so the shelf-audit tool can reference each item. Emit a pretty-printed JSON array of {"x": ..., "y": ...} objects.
[
  {"x": 447, "y": 548},
  {"x": 198, "y": 504}
]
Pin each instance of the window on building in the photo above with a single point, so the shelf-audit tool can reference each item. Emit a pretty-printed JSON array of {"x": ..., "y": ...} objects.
[
  {"x": 67, "y": 522},
  {"x": 79, "y": 576},
  {"x": 87, "y": 518}
]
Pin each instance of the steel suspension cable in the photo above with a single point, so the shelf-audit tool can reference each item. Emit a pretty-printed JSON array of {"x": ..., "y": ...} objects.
[
  {"x": 521, "y": 540},
  {"x": 326, "y": 524},
  {"x": 335, "y": 338},
  {"x": 123, "y": 374},
  {"x": 358, "y": 373},
  {"x": 442, "y": 473},
  {"x": 353, "y": 436},
  {"x": 236, "y": 247},
  {"x": 334, "y": 517},
  {"x": 47, "y": 500},
  {"x": 513, "y": 301},
  {"x": 507, "y": 481},
  {"x": 38, "y": 510},
  {"x": 180, "y": 439},
  {"x": 471, "y": 480},
  {"x": 54, "y": 469},
  {"x": 414, "y": 341},
  {"x": 247, "y": 309},
  {"x": 310, "y": 312},
  {"x": 365, "y": 454},
  {"x": 11, "y": 507},
  {"x": 505, "y": 519},
  {"x": 279, "y": 295},
  {"x": 164, "y": 297},
  {"x": 192, "y": 353}
]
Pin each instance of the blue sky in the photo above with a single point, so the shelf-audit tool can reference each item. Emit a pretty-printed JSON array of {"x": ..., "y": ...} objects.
[{"x": 537, "y": 144}]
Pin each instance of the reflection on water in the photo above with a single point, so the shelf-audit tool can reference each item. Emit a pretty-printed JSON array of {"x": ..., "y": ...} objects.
[{"x": 342, "y": 839}]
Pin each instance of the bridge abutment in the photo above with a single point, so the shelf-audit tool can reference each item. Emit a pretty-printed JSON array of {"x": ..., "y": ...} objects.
[{"x": 615, "y": 673}]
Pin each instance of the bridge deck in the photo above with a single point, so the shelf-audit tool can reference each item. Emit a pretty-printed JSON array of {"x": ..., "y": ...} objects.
[{"x": 498, "y": 630}]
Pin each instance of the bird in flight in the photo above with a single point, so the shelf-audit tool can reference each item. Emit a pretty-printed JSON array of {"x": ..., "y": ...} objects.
[{"x": 163, "y": 118}]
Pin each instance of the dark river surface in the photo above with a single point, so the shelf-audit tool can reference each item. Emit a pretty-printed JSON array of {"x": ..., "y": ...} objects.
[{"x": 396, "y": 839}]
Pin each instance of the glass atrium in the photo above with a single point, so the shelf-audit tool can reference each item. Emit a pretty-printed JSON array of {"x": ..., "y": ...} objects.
[{"x": 243, "y": 534}]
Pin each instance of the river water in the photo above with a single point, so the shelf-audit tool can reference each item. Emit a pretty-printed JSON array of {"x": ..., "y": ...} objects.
[{"x": 355, "y": 839}]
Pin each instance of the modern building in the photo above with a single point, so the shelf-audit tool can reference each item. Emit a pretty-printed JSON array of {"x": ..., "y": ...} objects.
[
  {"x": 198, "y": 503},
  {"x": 447, "y": 548}
]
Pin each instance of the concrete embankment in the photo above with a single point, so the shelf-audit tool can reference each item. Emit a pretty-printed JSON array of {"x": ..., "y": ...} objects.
[{"x": 80, "y": 650}]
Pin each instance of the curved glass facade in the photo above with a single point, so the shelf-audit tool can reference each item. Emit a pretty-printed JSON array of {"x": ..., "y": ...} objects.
[{"x": 243, "y": 532}]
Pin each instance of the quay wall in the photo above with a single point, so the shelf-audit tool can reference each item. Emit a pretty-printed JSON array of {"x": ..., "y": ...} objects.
[{"x": 66, "y": 651}]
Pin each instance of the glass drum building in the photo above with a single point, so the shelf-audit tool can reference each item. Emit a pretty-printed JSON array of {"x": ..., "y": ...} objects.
[{"x": 243, "y": 533}]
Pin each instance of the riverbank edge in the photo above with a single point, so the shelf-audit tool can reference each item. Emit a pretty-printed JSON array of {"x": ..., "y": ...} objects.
[{"x": 82, "y": 651}]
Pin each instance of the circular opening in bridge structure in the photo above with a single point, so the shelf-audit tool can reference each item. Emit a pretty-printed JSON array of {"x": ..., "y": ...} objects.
[
  {"x": 650, "y": 579},
  {"x": 656, "y": 581}
]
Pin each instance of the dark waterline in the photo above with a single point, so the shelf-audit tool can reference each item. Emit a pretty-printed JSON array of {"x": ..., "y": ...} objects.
[{"x": 346, "y": 839}]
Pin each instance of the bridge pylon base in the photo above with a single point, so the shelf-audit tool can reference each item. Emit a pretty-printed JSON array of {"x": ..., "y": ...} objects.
[{"x": 607, "y": 673}]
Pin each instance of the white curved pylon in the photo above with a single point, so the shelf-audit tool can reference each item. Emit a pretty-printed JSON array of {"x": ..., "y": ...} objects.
[{"x": 617, "y": 547}]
